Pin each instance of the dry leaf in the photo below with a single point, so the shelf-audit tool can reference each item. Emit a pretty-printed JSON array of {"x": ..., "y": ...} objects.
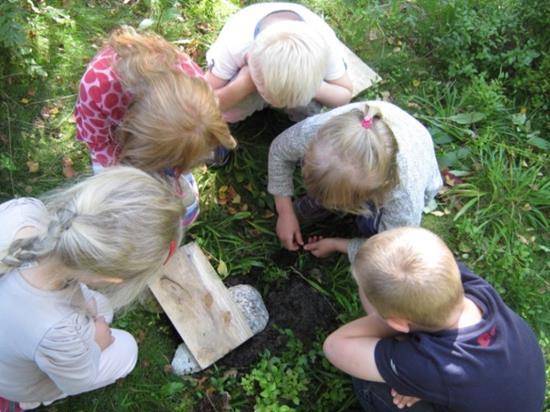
[
  {"x": 268, "y": 214},
  {"x": 24, "y": 100},
  {"x": 437, "y": 213},
  {"x": 231, "y": 373},
  {"x": 68, "y": 170},
  {"x": 236, "y": 199},
  {"x": 33, "y": 166},
  {"x": 450, "y": 178},
  {"x": 231, "y": 210},
  {"x": 222, "y": 269},
  {"x": 373, "y": 35}
]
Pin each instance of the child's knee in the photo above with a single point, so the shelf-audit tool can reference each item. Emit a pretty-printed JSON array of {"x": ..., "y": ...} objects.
[{"x": 126, "y": 349}]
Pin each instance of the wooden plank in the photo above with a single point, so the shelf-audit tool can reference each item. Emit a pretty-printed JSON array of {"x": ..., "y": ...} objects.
[
  {"x": 200, "y": 306},
  {"x": 361, "y": 75}
]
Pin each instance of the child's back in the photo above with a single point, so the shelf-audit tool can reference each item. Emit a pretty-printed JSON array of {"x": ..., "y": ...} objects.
[
  {"x": 494, "y": 365},
  {"x": 435, "y": 332}
]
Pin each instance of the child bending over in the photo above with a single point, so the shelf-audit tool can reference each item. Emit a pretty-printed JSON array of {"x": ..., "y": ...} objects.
[
  {"x": 371, "y": 159},
  {"x": 280, "y": 54},
  {"x": 112, "y": 232},
  {"x": 145, "y": 103},
  {"x": 434, "y": 332}
]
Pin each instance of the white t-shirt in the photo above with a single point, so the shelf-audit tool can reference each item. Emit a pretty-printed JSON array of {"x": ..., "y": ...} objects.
[{"x": 228, "y": 53}]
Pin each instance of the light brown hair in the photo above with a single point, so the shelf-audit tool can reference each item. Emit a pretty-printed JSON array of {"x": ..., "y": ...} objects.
[
  {"x": 347, "y": 165},
  {"x": 409, "y": 273},
  {"x": 174, "y": 119}
]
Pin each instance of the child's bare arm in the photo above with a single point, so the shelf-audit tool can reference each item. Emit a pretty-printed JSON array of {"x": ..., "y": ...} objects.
[
  {"x": 231, "y": 92},
  {"x": 288, "y": 228},
  {"x": 351, "y": 347},
  {"x": 334, "y": 93}
]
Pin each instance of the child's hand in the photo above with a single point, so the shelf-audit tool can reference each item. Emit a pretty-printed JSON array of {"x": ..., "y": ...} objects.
[
  {"x": 401, "y": 400},
  {"x": 103, "y": 336},
  {"x": 288, "y": 231},
  {"x": 320, "y": 247}
]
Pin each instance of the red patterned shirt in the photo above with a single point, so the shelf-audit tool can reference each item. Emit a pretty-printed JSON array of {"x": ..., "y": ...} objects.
[{"x": 102, "y": 103}]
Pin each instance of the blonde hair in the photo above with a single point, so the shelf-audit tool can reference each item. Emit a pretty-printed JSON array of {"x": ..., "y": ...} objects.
[
  {"x": 289, "y": 60},
  {"x": 174, "y": 119},
  {"x": 409, "y": 273},
  {"x": 347, "y": 165},
  {"x": 118, "y": 223}
]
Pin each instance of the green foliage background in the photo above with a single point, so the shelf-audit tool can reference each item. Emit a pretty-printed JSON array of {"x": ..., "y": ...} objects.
[{"x": 475, "y": 73}]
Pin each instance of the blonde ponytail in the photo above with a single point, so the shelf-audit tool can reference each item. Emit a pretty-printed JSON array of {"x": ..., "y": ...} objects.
[
  {"x": 347, "y": 165},
  {"x": 116, "y": 224}
]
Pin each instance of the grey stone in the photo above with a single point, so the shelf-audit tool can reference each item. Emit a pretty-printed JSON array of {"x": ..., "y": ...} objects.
[
  {"x": 251, "y": 305},
  {"x": 184, "y": 362}
]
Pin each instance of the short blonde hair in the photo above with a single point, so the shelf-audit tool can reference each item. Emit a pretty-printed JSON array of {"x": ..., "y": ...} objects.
[
  {"x": 289, "y": 60},
  {"x": 347, "y": 165},
  {"x": 118, "y": 223},
  {"x": 174, "y": 119},
  {"x": 409, "y": 273}
]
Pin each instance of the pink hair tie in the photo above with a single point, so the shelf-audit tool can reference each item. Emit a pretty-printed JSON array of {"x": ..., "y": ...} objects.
[{"x": 366, "y": 122}]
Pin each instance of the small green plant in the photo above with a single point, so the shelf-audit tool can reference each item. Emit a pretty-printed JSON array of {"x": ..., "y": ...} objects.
[{"x": 278, "y": 382}]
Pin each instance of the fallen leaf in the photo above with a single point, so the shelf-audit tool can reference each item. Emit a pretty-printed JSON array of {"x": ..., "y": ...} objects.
[
  {"x": 24, "y": 100},
  {"x": 450, "y": 178},
  {"x": 236, "y": 199},
  {"x": 244, "y": 207},
  {"x": 140, "y": 336},
  {"x": 222, "y": 269},
  {"x": 68, "y": 170},
  {"x": 231, "y": 210},
  {"x": 373, "y": 35},
  {"x": 33, "y": 166},
  {"x": 168, "y": 368},
  {"x": 268, "y": 214},
  {"x": 230, "y": 373},
  {"x": 523, "y": 240},
  {"x": 437, "y": 213}
]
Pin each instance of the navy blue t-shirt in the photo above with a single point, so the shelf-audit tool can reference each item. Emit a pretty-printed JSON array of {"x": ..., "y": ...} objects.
[{"x": 494, "y": 365}]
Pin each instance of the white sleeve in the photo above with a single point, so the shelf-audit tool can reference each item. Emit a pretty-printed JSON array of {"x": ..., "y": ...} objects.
[
  {"x": 223, "y": 57},
  {"x": 69, "y": 355},
  {"x": 336, "y": 66}
]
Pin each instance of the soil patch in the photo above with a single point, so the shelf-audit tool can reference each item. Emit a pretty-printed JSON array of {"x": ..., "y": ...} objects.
[{"x": 291, "y": 304}]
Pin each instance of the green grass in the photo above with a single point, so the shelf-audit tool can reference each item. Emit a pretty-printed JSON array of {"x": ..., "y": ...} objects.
[{"x": 480, "y": 93}]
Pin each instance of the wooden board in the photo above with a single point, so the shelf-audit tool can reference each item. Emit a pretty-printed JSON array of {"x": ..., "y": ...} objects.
[
  {"x": 200, "y": 306},
  {"x": 361, "y": 75}
]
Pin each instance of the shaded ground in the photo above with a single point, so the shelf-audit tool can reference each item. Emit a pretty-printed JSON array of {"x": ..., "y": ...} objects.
[{"x": 291, "y": 304}]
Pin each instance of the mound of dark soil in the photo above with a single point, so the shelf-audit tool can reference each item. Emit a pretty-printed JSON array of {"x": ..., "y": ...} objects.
[{"x": 292, "y": 304}]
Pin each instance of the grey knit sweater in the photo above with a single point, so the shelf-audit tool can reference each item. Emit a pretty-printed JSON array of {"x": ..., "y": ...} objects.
[{"x": 419, "y": 177}]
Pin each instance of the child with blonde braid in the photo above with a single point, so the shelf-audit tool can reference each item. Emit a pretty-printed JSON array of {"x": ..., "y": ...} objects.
[
  {"x": 145, "y": 103},
  {"x": 111, "y": 232},
  {"x": 371, "y": 159}
]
